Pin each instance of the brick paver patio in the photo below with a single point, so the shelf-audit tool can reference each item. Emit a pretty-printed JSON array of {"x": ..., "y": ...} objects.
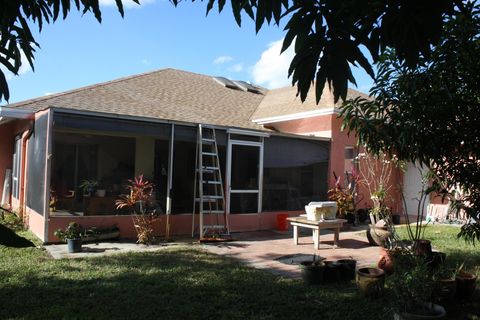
[{"x": 276, "y": 252}]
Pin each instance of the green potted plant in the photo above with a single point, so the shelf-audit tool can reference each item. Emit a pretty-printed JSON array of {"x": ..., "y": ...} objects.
[
  {"x": 88, "y": 187},
  {"x": 446, "y": 285},
  {"x": 466, "y": 283},
  {"x": 72, "y": 235},
  {"x": 413, "y": 285}
]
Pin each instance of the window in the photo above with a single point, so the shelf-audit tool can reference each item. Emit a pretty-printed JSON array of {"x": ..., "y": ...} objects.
[
  {"x": 107, "y": 160},
  {"x": 350, "y": 155},
  {"x": 295, "y": 173},
  {"x": 17, "y": 160}
]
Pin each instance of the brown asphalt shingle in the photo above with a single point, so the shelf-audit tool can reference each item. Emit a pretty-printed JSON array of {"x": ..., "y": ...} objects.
[
  {"x": 283, "y": 101},
  {"x": 178, "y": 95}
]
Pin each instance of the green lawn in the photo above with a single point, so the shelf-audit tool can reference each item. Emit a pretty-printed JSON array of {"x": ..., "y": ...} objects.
[
  {"x": 181, "y": 283},
  {"x": 444, "y": 238}
]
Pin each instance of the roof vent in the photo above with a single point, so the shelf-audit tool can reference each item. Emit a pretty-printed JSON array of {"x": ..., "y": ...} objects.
[
  {"x": 245, "y": 86},
  {"x": 226, "y": 83},
  {"x": 237, "y": 85}
]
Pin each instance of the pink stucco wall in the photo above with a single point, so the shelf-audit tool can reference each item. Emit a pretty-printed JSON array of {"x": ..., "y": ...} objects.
[{"x": 179, "y": 224}]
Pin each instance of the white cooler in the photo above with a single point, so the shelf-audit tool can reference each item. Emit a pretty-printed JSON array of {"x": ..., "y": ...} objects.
[{"x": 322, "y": 210}]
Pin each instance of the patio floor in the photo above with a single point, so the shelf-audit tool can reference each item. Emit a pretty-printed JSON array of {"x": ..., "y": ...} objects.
[
  {"x": 268, "y": 250},
  {"x": 276, "y": 252}
]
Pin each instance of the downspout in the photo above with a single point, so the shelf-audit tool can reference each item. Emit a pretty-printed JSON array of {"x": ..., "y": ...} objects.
[{"x": 25, "y": 138}]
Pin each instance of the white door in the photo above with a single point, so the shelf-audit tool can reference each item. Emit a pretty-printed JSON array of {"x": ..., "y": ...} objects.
[{"x": 412, "y": 187}]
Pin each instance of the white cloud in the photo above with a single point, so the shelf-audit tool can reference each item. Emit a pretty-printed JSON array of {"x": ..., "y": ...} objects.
[
  {"x": 126, "y": 3},
  {"x": 146, "y": 62},
  {"x": 271, "y": 70},
  {"x": 24, "y": 68},
  {"x": 48, "y": 93},
  {"x": 236, "y": 67},
  {"x": 222, "y": 59}
]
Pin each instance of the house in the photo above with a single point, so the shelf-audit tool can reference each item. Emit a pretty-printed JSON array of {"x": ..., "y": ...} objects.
[{"x": 276, "y": 153}]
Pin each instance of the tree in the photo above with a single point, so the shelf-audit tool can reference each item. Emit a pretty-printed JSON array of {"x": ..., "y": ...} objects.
[
  {"x": 430, "y": 114},
  {"x": 328, "y": 34}
]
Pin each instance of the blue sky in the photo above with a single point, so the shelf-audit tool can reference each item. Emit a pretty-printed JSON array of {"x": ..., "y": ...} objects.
[{"x": 79, "y": 51}]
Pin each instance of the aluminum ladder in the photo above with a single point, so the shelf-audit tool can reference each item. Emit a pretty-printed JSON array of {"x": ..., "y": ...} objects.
[{"x": 209, "y": 195}]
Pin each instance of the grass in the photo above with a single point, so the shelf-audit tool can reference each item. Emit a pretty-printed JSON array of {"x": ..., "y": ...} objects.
[
  {"x": 444, "y": 238},
  {"x": 180, "y": 283}
]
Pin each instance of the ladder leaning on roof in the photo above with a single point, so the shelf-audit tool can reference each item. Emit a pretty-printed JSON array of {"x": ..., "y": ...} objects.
[{"x": 208, "y": 187}]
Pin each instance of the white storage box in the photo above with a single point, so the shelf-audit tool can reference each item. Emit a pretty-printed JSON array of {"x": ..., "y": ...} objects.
[{"x": 323, "y": 210}]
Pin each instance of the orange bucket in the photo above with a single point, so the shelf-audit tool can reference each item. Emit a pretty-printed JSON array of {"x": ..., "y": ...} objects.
[{"x": 282, "y": 223}]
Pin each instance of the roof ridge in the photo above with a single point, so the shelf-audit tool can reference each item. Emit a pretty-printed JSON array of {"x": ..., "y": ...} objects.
[{"x": 91, "y": 86}]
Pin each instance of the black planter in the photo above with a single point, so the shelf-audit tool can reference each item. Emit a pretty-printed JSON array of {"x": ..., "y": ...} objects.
[
  {"x": 331, "y": 273},
  {"x": 312, "y": 272},
  {"x": 350, "y": 218},
  {"x": 396, "y": 219},
  {"x": 347, "y": 269},
  {"x": 74, "y": 245}
]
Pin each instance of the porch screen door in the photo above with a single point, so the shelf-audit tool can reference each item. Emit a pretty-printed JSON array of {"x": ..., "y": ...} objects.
[{"x": 244, "y": 176}]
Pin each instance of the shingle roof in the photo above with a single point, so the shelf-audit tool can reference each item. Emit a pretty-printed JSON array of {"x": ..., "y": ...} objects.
[
  {"x": 178, "y": 95},
  {"x": 283, "y": 101},
  {"x": 164, "y": 94}
]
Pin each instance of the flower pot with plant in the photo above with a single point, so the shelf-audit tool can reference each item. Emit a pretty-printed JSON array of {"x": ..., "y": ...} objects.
[
  {"x": 88, "y": 187},
  {"x": 413, "y": 286},
  {"x": 446, "y": 285},
  {"x": 371, "y": 281},
  {"x": 72, "y": 235},
  {"x": 312, "y": 270},
  {"x": 140, "y": 201},
  {"x": 466, "y": 283}
]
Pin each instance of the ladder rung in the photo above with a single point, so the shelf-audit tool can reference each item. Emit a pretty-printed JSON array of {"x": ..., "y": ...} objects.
[
  {"x": 214, "y": 226},
  {"x": 211, "y": 196},
  {"x": 208, "y": 140},
  {"x": 211, "y": 182},
  {"x": 211, "y": 168},
  {"x": 209, "y": 154},
  {"x": 214, "y": 211},
  {"x": 207, "y": 199}
]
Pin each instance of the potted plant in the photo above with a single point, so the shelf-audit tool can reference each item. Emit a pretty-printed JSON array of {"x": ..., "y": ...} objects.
[
  {"x": 312, "y": 270},
  {"x": 446, "y": 285},
  {"x": 370, "y": 281},
  {"x": 413, "y": 287},
  {"x": 346, "y": 195},
  {"x": 140, "y": 200},
  {"x": 88, "y": 187},
  {"x": 466, "y": 283},
  {"x": 72, "y": 235}
]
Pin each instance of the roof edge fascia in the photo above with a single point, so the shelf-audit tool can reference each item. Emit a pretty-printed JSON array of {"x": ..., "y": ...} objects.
[{"x": 296, "y": 116}]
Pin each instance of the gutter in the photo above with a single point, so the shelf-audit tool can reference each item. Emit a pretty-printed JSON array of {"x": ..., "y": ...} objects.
[{"x": 8, "y": 114}]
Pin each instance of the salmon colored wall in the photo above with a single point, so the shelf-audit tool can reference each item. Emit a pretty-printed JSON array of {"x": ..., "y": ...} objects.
[
  {"x": 179, "y": 224},
  {"x": 36, "y": 223},
  {"x": 305, "y": 125}
]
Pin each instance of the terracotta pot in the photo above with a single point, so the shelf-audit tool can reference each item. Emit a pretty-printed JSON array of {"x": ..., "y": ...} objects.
[
  {"x": 385, "y": 262},
  {"x": 370, "y": 281},
  {"x": 466, "y": 283},
  {"x": 379, "y": 235},
  {"x": 446, "y": 289},
  {"x": 435, "y": 311}
]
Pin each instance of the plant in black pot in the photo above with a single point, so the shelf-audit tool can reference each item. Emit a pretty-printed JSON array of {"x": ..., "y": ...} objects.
[
  {"x": 413, "y": 286},
  {"x": 72, "y": 235},
  {"x": 312, "y": 270}
]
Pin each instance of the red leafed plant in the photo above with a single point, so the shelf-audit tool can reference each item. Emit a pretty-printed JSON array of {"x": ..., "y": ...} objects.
[{"x": 139, "y": 199}]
